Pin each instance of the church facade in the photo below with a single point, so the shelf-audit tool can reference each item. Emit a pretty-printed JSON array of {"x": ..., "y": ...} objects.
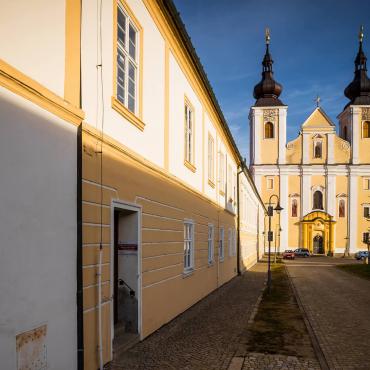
[{"x": 322, "y": 177}]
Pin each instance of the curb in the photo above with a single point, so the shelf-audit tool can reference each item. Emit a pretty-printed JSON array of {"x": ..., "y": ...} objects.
[{"x": 314, "y": 340}]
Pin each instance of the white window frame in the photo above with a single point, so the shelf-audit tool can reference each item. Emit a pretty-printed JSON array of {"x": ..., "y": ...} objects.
[
  {"x": 366, "y": 183},
  {"x": 211, "y": 238},
  {"x": 211, "y": 161},
  {"x": 229, "y": 183},
  {"x": 318, "y": 141},
  {"x": 273, "y": 131},
  {"x": 268, "y": 178},
  {"x": 124, "y": 50},
  {"x": 188, "y": 245},
  {"x": 221, "y": 244},
  {"x": 189, "y": 132},
  {"x": 222, "y": 172}
]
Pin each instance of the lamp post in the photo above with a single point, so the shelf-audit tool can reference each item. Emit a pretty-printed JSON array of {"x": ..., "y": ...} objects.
[{"x": 270, "y": 213}]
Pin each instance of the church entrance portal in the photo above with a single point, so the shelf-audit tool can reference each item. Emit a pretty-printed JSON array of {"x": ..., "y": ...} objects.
[{"x": 318, "y": 244}]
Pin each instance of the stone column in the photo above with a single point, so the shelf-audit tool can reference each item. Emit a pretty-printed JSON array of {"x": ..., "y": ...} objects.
[
  {"x": 330, "y": 194},
  {"x": 256, "y": 132},
  {"x": 305, "y": 148}
]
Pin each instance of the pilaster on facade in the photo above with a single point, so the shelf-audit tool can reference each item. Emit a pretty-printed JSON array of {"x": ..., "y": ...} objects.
[
  {"x": 305, "y": 147},
  {"x": 330, "y": 149},
  {"x": 353, "y": 214},
  {"x": 282, "y": 135},
  {"x": 284, "y": 215},
  {"x": 355, "y": 132},
  {"x": 330, "y": 194},
  {"x": 305, "y": 191},
  {"x": 255, "y": 122}
]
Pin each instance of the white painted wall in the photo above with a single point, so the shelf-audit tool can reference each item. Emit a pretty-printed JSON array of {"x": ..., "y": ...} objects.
[
  {"x": 33, "y": 40},
  {"x": 38, "y": 230}
]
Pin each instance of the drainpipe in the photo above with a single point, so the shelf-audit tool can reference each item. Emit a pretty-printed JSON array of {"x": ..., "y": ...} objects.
[{"x": 79, "y": 293}]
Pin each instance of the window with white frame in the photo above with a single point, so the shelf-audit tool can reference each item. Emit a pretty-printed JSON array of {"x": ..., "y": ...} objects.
[
  {"x": 127, "y": 60},
  {"x": 188, "y": 245},
  {"x": 341, "y": 207},
  {"x": 221, "y": 246},
  {"x": 270, "y": 183},
  {"x": 189, "y": 133},
  {"x": 229, "y": 182},
  {"x": 366, "y": 183},
  {"x": 221, "y": 172},
  {"x": 230, "y": 242},
  {"x": 366, "y": 210},
  {"x": 210, "y": 243},
  {"x": 211, "y": 146}
]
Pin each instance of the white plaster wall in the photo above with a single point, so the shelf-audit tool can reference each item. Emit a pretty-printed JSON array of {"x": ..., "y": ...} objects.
[
  {"x": 33, "y": 40},
  {"x": 38, "y": 230},
  {"x": 150, "y": 142},
  {"x": 209, "y": 128},
  {"x": 179, "y": 88}
]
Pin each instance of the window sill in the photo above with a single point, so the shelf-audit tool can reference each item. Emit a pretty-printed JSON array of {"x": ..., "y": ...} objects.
[
  {"x": 210, "y": 264},
  {"x": 222, "y": 193},
  {"x": 190, "y": 166},
  {"x": 222, "y": 259},
  {"x": 123, "y": 111},
  {"x": 211, "y": 183},
  {"x": 187, "y": 273}
]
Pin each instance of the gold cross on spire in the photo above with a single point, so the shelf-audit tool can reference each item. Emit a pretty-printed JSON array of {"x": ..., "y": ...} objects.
[
  {"x": 317, "y": 101},
  {"x": 361, "y": 33},
  {"x": 267, "y": 35}
]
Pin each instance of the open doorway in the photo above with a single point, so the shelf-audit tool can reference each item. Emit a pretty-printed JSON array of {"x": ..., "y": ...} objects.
[{"x": 126, "y": 282}]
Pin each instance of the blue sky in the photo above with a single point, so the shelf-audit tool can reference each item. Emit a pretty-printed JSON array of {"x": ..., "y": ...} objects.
[{"x": 313, "y": 44}]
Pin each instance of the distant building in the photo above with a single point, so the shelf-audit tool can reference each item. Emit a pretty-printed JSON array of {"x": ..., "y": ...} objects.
[
  {"x": 116, "y": 163},
  {"x": 321, "y": 177}
]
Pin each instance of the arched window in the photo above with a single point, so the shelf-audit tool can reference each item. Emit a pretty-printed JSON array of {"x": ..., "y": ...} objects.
[
  {"x": 317, "y": 200},
  {"x": 294, "y": 208},
  {"x": 342, "y": 208},
  {"x": 269, "y": 130},
  {"x": 345, "y": 133},
  {"x": 366, "y": 129},
  {"x": 318, "y": 149}
]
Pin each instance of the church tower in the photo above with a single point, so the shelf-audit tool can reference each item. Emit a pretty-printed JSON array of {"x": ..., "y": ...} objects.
[{"x": 267, "y": 117}]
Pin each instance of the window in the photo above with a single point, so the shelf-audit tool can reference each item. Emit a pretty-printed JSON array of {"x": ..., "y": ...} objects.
[
  {"x": 269, "y": 130},
  {"x": 229, "y": 182},
  {"x": 367, "y": 211},
  {"x": 127, "y": 60},
  {"x": 294, "y": 208},
  {"x": 189, "y": 133},
  {"x": 211, "y": 145},
  {"x": 317, "y": 200},
  {"x": 318, "y": 149},
  {"x": 230, "y": 242},
  {"x": 270, "y": 183},
  {"x": 222, "y": 173},
  {"x": 345, "y": 133},
  {"x": 342, "y": 208},
  {"x": 366, "y": 183},
  {"x": 221, "y": 252},
  {"x": 188, "y": 245},
  {"x": 366, "y": 129},
  {"x": 210, "y": 243}
]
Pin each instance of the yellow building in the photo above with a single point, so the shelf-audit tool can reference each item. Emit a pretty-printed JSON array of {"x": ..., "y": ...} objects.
[{"x": 322, "y": 178}]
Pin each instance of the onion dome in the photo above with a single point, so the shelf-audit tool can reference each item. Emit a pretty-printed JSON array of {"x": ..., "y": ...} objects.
[
  {"x": 267, "y": 91},
  {"x": 358, "y": 91}
]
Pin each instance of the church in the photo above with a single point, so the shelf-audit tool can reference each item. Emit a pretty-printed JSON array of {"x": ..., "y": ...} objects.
[{"x": 322, "y": 177}]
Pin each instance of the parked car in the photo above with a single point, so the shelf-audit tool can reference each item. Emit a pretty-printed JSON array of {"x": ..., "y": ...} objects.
[
  {"x": 361, "y": 255},
  {"x": 302, "y": 252},
  {"x": 288, "y": 254}
]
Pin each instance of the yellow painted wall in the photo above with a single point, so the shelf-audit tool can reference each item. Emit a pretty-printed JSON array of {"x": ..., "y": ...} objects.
[
  {"x": 165, "y": 203},
  {"x": 342, "y": 150},
  {"x": 294, "y": 183},
  {"x": 294, "y": 151},
  {"x": 341, "y": 227},
  {"x": 364, "y": 145},
  {"x": 363, "y": 223}
]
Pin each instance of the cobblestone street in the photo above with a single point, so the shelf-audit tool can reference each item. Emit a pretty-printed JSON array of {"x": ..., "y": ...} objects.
[
  {"x": 206, "y": 336},
  {"x": 337, "y": 305}
]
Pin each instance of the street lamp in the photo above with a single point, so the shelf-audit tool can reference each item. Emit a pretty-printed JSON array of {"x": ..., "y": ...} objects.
[{"x": 270, "y": 213}]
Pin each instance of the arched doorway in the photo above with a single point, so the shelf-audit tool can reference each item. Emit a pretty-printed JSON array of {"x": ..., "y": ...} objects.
[{"x": 318, "y": 244}]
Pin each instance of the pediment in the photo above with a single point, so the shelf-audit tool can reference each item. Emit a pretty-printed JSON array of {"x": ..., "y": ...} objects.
[{"x": 318, "y": 119}]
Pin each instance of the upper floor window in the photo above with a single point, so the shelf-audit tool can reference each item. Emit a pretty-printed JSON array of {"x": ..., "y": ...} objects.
[
  {"x": 188, "y": 245},
  {"x": 367, "y": 210},
  {"x": 367, "y": 183},
  {"x": 189, "y": 133},
  {"x": 210, "y": 242},
  {"x": 127, "y": 60},
  {"x": 342, "y": 208},
  {"x": 366, "y": 129},
  {"x": 294, "y": 208},
  {"x": 318, "y": 149},
  {"x": 317, "y": 200},
  {"x": 221, "y": 172},
  {"x": 269, "y": 130},
  {"x": 211, "y": 149},
  {"x": 269, "y": 183}
]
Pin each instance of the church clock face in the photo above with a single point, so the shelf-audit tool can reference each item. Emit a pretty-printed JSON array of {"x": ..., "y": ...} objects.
[{"x": 270, "y": 115}]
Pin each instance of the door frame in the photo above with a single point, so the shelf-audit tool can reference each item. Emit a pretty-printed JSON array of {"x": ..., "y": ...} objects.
[{"x": 117, "y": 205}]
